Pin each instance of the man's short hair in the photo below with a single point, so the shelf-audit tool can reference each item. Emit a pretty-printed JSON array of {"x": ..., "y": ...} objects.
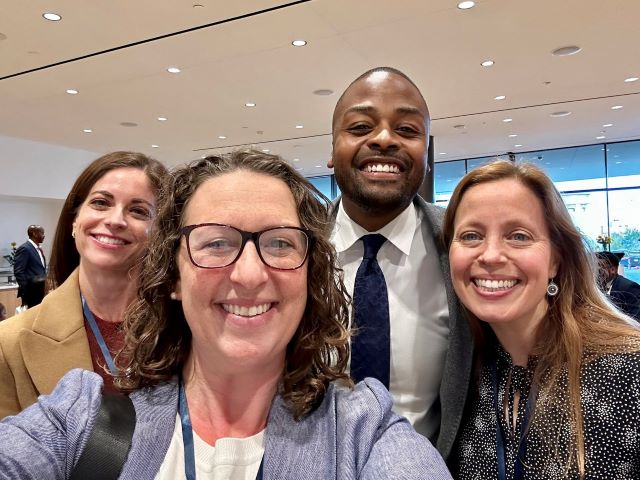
[{"x": 612, "y": 258}]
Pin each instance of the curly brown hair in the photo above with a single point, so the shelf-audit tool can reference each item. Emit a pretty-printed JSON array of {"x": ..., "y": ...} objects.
[{"x": 158, "y": 338}]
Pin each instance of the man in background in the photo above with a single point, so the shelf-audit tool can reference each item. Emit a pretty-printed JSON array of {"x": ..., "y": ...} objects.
[
  {"x": 30, "y": 267},
  {"x": 420, "y": 348},
  {"x": 623, "y": 293}
]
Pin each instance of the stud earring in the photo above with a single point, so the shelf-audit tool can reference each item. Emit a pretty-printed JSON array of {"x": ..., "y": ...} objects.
[
  {"x": 73, "y": 234},
  {"x": 552, "y": 288},
  {"x": 173, "y": 296}
]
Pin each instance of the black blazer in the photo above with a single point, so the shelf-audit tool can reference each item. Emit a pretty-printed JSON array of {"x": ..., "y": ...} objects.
[
  {"x": 27, "y": 267},
  {"x": 625, "y": 294}
]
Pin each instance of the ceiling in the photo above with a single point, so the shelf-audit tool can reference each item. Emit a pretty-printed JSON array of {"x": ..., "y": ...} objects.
[{"x": 116, "y": 55}]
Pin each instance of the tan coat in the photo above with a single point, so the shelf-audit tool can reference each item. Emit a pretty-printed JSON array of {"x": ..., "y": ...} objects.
[{"x": 40, "y": 345}]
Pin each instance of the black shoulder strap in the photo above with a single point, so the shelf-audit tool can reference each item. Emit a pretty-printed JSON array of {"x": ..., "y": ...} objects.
[{"x": 109, "y": 441}]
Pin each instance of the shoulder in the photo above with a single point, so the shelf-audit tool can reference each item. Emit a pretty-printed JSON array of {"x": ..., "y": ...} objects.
[
  {"x": 10, "y": 327},
  {"x": 618, "y": 373}
]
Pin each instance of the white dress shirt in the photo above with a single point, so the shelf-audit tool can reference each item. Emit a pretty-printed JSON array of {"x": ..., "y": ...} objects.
[
  {"x": 418, "y": 310},
  {"x": 37, "y": 247}
]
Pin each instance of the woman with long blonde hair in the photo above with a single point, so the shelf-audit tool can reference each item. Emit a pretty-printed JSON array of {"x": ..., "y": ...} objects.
[{"x": 558, "y": 367}]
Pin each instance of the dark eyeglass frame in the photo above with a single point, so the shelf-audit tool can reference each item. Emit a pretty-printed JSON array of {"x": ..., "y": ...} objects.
[{"x": 246, "y": 236}]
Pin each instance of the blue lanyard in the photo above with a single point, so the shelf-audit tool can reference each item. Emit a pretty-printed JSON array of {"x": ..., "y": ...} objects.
[
  {"x": 518, "y": 470},
  {"x": 99, "y": 338},
  {"x": 187, "y": 438}
]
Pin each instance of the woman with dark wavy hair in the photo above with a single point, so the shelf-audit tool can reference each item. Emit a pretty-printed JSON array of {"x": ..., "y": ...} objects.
[
  {"x": 236, "y": 348},
  {"x": 558, "y": 367}
]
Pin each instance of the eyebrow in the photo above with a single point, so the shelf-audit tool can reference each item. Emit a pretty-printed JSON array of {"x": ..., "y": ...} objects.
[
  {"x": 110, "y": 195},
  {"x": 369, "y": 109}
]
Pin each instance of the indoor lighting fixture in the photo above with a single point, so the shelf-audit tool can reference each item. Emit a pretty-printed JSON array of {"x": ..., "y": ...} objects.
[
  {"x": 607, "y": 125},
  {"x": 616, "y": 107},
  {"x": 71, "y": 91},
  {"x": 487, "y": 63},
  {"x": 222, "y": 137},
  {"x": 600, "y": 137},
  {"x": 249, "y": 104},
  {"x": 566, "y": 51},
  {"x": 299, "y": 43},
  {"x": 513, "y": 135},
  {"x": 173, "y": 70},
  {"x": 466, "y": 5},
  {"x": 517, "y": 145},
  {"x": 54, "y": 17},
  {"x": 162, "y": 119},
  {"x": 507, "y": 120},
  {"x": 296, "y": 159},
  {"x": 500, "y": 97},
  {"x": 562, "y": 113},
  {"x": 265, "y": 150},
  {"x": 155, "y": 146},
  {"x": 631, "y": 79},
  {"x": 443, "y": 153},
  {"x": 299, "y": 126},
  {"x": 318, "y": 166},
  {"x": 87, "y": 130}
]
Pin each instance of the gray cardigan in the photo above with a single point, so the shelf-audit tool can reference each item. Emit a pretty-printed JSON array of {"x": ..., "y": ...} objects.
[{"x": 352, "y": 434}]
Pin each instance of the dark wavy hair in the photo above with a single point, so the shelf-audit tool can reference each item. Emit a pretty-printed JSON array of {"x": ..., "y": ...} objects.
[
  {"x": 64, "y": 256},
  {"x": 158, "y": 338}
]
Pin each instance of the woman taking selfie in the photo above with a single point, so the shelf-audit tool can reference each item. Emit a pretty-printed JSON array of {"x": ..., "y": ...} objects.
[
  {"x": 236, "y": 348},
  {"x": 101, "y": 236},
  {"x": 558, "y": 369}
]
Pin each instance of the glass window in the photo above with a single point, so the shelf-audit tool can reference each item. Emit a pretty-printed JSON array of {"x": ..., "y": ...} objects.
[
  {"x": 588, "y": 211},
  {"x": 623, "y": 164},
  {"x": 323, "y": 184},
  {"x": 578, "y": 168},
  {"x": 447, "y": 176},
  {"x": 624, "y": 222}
]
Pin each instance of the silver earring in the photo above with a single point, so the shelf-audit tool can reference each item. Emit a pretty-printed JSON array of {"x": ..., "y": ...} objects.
[
  {"x": 73, "y": 234},
  {"x": 552, "y": 288},
  {"x": 173, "y": 296}
]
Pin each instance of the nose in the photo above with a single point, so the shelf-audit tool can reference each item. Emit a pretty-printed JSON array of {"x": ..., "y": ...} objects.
[
  {"x": 492, "y": 251},
  {"x": 383, "y": 138},
  {"x": 116, "y": 219},
  {"x": 249, "y": 270}
]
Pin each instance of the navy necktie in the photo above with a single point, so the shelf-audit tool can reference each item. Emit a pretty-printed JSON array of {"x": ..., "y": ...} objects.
[{"x": 370, "y": 348}]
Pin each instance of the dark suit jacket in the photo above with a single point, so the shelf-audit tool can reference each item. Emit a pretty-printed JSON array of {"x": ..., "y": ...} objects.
[
  {"x": 456, "y": 377},
  {"x": 625, "y": 294},
  {"x": 27, "y": 267}
]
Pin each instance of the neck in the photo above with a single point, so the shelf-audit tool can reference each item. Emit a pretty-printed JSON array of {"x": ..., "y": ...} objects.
[
  {"x": 519, "y": 339},
  {"x": 107, "y": 293},
  {"x": 372, "y": 219},
  {"x": 229, "y": 404}
]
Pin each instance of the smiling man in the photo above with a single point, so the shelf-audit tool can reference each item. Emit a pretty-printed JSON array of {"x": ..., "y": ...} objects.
[{"x": 409, "y": 331}]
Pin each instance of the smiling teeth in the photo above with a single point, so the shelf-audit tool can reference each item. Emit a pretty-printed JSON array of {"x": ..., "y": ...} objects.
[
  {"x": 109, "y": 240},
  {"x": 494, "y": 284},
  {"x": 386, "y": 168},
  {"x": 246, "y": 311}
]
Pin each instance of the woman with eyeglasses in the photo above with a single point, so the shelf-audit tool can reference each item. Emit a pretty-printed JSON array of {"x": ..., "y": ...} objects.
[{"x": 235, "y": 350}]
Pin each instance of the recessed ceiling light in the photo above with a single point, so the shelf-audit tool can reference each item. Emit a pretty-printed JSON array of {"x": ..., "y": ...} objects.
[
  {"x": 600, "y": 137},
  {"x": 507, "y": 120},
  {"x": 607, "y": 125},
  {"x": 616, "y": 107},
  {"x": 500, "y": 97},
  {"x": 162, "y": 119},
  {"x": 249, "y": 104},
  {"x": 203, "y": 156},
  {"x": 71, "y": 91},
  {"x": 565, "y": 51},
  {"x": 128, "y": 124},
  {"x": 299, "y": 126},
  {"x": 443, "y": 153},
  {"x": 323, "y": 92},
  {"x": 513, "y": 135},
  {"x": 296, "y": 159},
  {"x": 318, "y": 166},
  {"x": 618, "y": 163},
  {"x": 221, "y": 137},
  {"x": 517, "y": 145},
  {"x": 266, "y": 150},
  {"x": 54, "y": 17},
  {"x": 173, "y": 70},
  {"x": 154, "y": 146},
  {"x": 631, "y": 79},
  {"x": 487, "y": 63},
  {"x": 87, "y": 130},
  {"x": 466, "y": 5},
  {"x": 562, "y": 113},
  {"x": 299, "y": 43}
]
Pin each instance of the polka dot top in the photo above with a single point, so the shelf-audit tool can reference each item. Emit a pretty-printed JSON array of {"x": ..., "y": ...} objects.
[{"x": 610, "y": 393}]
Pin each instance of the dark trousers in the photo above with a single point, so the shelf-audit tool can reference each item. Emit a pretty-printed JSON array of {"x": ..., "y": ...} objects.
[{"x": 33, "y": 293}]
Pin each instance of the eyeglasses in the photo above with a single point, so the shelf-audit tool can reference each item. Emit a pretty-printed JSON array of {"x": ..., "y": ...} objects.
[{"x": 211, "y": 245}]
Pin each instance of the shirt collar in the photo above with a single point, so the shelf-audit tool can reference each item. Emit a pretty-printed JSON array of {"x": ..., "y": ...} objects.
[
  {"x": 33, "y": 243},
  {"x": 399, "y": 231}
]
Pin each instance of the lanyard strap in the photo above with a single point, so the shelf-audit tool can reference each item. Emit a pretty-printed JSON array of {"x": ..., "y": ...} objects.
[
  {"x": 99, "y": 338},
  {"x": 518, "y": 469},
  {"x": 187, "y": 438}
]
